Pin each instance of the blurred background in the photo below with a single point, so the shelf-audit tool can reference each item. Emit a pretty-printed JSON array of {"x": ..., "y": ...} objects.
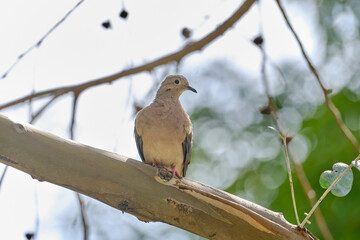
[{"x": 233, "y": 148}]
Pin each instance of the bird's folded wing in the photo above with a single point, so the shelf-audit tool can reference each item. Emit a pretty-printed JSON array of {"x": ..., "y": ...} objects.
[
  {"x": 186, "y": 145},
  {"x": 139, "y": 144}
]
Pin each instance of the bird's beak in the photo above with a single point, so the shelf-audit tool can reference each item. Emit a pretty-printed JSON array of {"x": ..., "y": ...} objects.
[{"x": 191, "y": 89}]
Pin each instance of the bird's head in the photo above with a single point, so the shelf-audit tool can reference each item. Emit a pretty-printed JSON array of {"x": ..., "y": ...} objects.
[{"x": 174, "y": 85}]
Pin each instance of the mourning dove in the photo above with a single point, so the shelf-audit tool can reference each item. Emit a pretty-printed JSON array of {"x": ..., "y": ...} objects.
[{"x": 163, "y": 130}]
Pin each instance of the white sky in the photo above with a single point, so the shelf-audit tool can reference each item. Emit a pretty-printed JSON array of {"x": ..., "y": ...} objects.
[{"x": 80, "y": 50}]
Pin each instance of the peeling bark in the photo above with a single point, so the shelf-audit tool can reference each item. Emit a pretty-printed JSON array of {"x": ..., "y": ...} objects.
[{"x": 146, "y": 192}]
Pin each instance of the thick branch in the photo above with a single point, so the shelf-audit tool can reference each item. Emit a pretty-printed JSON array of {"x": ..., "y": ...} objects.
[
  {"x": 176, "y": 56},
  {"x": 137, "y": 189}
]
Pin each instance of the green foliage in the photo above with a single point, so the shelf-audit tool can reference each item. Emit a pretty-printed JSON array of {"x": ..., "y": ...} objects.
[
  {"x": 265, "y": 181},
  {"x": 343, "y": 187},
  {"x": 328, "y": 145}
]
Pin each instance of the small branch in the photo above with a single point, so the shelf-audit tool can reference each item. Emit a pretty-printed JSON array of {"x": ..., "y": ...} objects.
[
  {"x": 83, "y": 218},
  {"x": 51, "y": 92},
  {"x": 304, "y": 182},
  {"x": 3, "y": 175},
  {"x": 176, "y": 56},
  {"x": 334, "y": 111},
  {"x": 284, "y": 139},
  {"x": 307, "y": 189},
  {"x": 73, "y": 115},
  {"x": 78, "y": 196},
  {"x": 302, "y": 49},
  {"x": 330, "y": 105},
  {"x": 38, "y": 43},
  {"x": 41, "y": 110},
  {"x": 327, "y": 191}
]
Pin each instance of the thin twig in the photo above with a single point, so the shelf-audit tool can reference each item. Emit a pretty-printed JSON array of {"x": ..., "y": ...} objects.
[
  {"x": 3, "y": 175},
  {"x": 283, "y": 138},
  {"x": 41, "y": 110},
  {"x": 39, "y": 42},
  {"x": 176, "y": 56},
  {"x": 327, "y": 191},
  {"x": 83, "y": 218},
  {"x": 73, "y": 115},
  {"x": 304, "y": 182},
  {"x": 334, "y": 111},
  {"x": 72, "y": 136},
  {"x": 31, "y": 112},
  {"x": 307, "y": 189}
]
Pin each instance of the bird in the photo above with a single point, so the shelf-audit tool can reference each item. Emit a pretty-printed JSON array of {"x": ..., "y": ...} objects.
[{"x": 163, "y": 130}]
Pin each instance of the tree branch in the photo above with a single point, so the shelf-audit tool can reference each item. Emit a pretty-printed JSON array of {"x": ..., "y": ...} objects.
[
  {"x": 271, "y": 106},
  {"x": 42, "y": 109},
  {"x": 311, "y": 196},
  {"x": 334, "y": 111},
  {"x": 175, "y": 56},
  {"x": 3, "y": 175},
  {"x": 73, "y": 115},
  {"x": 139, "y": 189},
  {"x": 337, "y": 179},
  {"x": 330, "y": 105},
  {"x": 38, "y": 43},
  {"x": 83, "y": 217},
  {"x": 304, "y": 182}
]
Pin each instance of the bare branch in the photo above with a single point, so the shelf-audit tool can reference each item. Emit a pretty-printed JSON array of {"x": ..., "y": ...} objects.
[
  {"x": 78, "y": 196},
  {"x": 284, "y": 140},
  {"x": 334, "y": 111},
  {"x": 304, "y": 182},
  {"x": 41, "y": 110},
  {"x": 311, "y": 196},
  {"x": 139, "y": 189},
  {"x": 176, "y": 56},
  {"x": 283, "y": 135},
  {"x": 83, "y": 217},
  {"x": 50, "y": 92},
  {"x": 73, "y": 115},
  {"x": 38, "y": 43},
  {"x": 3, "y": 175}
]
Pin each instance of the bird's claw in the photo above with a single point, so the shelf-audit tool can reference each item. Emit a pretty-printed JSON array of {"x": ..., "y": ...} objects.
[{"x": 173, "y": 171}]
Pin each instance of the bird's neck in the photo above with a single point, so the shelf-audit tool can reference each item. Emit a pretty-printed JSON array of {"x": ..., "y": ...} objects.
[{"x": 167, "y": 99}]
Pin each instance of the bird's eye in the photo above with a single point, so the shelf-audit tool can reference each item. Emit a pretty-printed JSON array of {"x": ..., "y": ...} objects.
[{"x": 177, "y": 81}]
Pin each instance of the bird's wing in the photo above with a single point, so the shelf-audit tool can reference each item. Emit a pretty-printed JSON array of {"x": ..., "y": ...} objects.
[
  {"x": 139, "y": 144},
  {"x": 186, "y": 145}
]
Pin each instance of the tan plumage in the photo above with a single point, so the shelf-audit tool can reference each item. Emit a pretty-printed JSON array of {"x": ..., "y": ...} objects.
[{"x": 163, "y": 130}]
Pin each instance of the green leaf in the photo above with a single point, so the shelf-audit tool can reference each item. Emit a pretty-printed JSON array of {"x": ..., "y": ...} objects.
[{"x": 343, "y": 187}]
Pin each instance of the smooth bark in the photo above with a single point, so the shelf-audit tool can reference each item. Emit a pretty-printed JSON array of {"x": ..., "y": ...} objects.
[{"x": 130, "y": 186}]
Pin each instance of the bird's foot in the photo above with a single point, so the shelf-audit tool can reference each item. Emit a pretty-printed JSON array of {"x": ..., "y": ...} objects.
[
  {"x": 164, "y": 174},
  {"x": 173, "y": 171}
]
